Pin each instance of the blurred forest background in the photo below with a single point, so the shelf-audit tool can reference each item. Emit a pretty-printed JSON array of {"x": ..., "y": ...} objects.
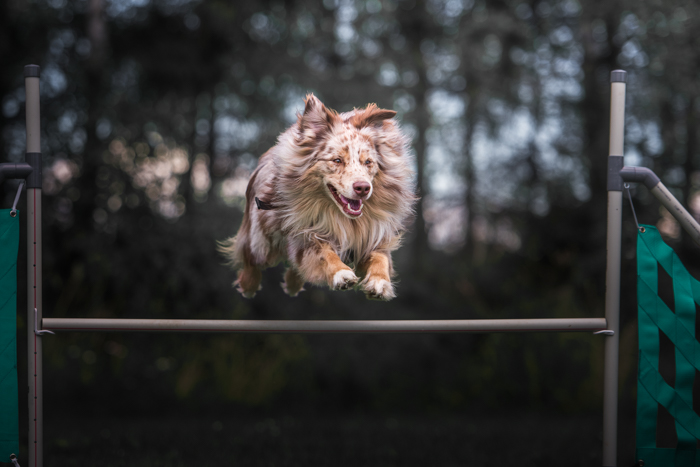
[{"x": 154, "y": 113}]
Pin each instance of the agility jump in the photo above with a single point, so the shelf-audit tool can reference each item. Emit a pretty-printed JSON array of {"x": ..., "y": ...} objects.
[{"x": 607, "y": 326}]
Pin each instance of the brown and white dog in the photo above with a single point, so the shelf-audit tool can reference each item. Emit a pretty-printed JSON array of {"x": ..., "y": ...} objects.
[{"x": 335, "y": 188}]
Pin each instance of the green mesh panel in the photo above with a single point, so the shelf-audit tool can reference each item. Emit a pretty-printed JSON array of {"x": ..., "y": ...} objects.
[
  {"x": 9, "y": 414},
  {"x": 679, "y": 326}
]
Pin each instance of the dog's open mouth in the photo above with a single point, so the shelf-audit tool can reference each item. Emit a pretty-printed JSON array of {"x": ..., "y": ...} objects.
[{"x": 351, "y": 207}]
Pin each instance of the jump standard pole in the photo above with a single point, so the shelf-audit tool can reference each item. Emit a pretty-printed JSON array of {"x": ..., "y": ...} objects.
[
  {"x": 34, "y": 269},
  {"x": 618, "y": 83}
]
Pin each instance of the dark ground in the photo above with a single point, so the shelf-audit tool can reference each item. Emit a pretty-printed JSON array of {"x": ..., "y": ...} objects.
[{"x": 527, "y": 439}]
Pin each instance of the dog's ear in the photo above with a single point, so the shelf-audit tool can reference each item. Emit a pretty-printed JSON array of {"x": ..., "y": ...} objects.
[
  {"x": 371, "y": 116},
  {"x": 317, "y": 118}
]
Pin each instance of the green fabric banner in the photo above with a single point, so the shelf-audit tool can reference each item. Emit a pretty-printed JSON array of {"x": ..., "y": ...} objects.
[
  {"x": 679, "y": 326},
  {"x": 9, "y": 412}
]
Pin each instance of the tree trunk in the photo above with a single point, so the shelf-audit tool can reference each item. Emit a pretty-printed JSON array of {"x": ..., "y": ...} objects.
[
  {"x": 420, "y": 242},
  {"x": 469, "y": 175}
]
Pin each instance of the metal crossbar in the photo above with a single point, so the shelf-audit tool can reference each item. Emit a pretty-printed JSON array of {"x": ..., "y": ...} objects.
[{"x": 310, "y": 326}]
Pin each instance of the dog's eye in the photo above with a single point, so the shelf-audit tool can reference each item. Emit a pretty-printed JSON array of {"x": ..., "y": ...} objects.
[
  {"x": 337, "y": 160},
  {"x": 368, "y": 162}
]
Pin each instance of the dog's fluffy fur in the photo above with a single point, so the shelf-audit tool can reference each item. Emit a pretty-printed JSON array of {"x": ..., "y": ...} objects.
[{"x": 336, "y": 189}]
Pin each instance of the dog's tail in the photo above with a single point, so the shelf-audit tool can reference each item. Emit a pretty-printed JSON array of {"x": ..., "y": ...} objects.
[{"x": 228, "y": 248}]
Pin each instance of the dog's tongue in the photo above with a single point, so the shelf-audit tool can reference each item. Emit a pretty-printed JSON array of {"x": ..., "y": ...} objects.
[{"x": 354, "y": 204}]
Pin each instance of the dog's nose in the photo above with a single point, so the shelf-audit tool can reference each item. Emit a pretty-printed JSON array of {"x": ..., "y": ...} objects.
[{"x": 361, "y": 188}]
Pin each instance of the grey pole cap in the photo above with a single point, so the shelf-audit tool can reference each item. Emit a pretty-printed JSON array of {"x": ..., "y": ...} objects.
[
  {"x": 618, "y": 76},
  {"x": 32, "y": 71}
]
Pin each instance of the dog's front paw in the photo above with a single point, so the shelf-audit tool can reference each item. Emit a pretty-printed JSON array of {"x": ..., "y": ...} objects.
[
  {"x": 344, "y": 279},
  {"x": 378, "y": 289}
]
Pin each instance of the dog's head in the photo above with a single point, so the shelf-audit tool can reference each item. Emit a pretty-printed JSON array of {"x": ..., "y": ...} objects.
[{"x": 344, "y": 150}]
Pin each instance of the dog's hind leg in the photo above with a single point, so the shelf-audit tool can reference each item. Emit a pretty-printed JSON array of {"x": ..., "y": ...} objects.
[
  {"x": 248, "y": 282},
  {"x": 250, "y": 276},
  {"x": 293, "y": 282}
]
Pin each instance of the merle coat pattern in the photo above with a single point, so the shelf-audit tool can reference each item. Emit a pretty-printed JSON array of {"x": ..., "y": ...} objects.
[{"x": 335, "y": 189}]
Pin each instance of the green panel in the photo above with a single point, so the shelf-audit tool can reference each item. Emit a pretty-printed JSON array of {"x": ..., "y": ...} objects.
[
  {"x": 679, "y": 326},
  {"x": 9, "y": 413}
]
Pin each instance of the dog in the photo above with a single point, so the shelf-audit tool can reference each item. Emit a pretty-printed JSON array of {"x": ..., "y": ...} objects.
[{"x": 335, "y": 189}]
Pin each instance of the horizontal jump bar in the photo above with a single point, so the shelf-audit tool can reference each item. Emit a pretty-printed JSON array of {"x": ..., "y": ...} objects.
[{"x": 308, "y": 326}]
